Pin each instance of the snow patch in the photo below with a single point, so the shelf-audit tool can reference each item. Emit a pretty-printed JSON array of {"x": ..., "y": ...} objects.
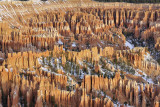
[
  {"x": 73, "y": 44},
  {"x": 129, "y": 45},
  {"x": 60, "y": 42}
]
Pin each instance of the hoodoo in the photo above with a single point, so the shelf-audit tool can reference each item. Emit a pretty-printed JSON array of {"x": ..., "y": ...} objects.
[{"x": 79, "y": 53}]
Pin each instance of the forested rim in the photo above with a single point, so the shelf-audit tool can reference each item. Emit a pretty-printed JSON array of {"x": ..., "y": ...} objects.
[{"x": 131, "y": 1}]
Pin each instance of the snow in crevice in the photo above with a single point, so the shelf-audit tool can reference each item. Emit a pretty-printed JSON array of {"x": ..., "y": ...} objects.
[
  {"x": 81, "y": 76},
  {"x": 101, "y": 70},
  {"x": 89, "y": 71},
  {"x": 81, "y": 63},
  {"x": 99, "y": 45},
  {"x": 102, "y": 42},
  {"x": 62, "y": 69},
  {"x": 6, "y": 69},
  {"x": 58, "y": 63}
]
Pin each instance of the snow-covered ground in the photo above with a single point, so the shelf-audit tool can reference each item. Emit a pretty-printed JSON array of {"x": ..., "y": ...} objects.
[
  {"x": 149, "y": 58},
  {"x": 144, "y": 76}
]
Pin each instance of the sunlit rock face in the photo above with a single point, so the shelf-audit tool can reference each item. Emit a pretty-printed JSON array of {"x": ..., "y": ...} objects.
[{"x": 79, "y": 54}]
